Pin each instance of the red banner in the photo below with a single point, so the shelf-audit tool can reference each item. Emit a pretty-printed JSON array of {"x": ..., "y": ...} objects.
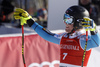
[{"x": 37, "y": 52}]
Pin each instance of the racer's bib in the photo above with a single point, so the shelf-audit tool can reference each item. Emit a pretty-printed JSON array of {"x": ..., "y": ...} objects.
[{"x": 71, "y": 51}]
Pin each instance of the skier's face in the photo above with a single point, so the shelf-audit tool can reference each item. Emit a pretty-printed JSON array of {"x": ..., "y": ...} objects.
[{"x": 69, "y": 27}]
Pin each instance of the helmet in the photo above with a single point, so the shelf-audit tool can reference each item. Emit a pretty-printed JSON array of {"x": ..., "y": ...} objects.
[{"x": 74, "y": 13}]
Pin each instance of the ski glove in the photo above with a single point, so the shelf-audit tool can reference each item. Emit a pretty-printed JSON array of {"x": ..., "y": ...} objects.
[
  {"x": 88, "y": 24},
  {"x": 22, "y": 15}
]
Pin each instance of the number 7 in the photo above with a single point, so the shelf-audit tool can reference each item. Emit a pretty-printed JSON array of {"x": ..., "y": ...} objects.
[{"x": 65, "y": 54}]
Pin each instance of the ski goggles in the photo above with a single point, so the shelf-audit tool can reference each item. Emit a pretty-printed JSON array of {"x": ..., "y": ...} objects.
[{"x": 68, "y": 19}]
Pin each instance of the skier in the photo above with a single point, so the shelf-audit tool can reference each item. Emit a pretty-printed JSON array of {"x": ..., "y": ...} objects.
[{"x": 72, "y": 42}]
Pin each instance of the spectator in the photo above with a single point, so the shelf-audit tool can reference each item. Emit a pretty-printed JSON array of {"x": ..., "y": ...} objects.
[
  {"x": 42, "y": 17},
  {"x": 6, "y": 11},
  {"x": 93, "y": 10}
]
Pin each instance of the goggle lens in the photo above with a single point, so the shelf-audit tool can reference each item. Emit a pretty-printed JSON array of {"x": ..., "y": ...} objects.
[{"x": 68, "y": 19}]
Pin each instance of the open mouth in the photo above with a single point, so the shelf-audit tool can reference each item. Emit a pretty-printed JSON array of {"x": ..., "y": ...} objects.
[{"x": 67, "y": 27}]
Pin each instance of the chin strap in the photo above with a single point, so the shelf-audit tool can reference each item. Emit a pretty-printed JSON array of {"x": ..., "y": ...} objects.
[{"x": 71, "y": 32}]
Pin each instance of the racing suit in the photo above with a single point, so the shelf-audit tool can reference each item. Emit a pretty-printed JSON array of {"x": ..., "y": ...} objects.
[{"x": 71, "y": 45}]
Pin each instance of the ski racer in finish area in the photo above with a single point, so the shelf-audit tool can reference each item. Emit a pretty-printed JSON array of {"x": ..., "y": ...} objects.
[{"x": 72, "y": 42}]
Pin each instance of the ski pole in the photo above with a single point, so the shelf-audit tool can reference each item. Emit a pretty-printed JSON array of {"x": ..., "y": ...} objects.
[
  {"x": 85, "y": 47},
  {"x": 23, "y": 45},
  {"x": 22, "y": 39}
]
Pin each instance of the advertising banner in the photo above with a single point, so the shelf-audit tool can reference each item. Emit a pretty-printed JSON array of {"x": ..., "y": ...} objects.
[{"x": 37, "y": 52}]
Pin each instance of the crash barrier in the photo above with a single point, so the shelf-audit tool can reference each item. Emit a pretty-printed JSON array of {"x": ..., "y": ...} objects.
[{"x": 37, "y": 51}]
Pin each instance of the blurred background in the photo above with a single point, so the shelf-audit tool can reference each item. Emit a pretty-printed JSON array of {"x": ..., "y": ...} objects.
[
  {"x": 49, "y": 14},
  {"x": 42, "y": 10},
  {"x": 36, "y": 8}
]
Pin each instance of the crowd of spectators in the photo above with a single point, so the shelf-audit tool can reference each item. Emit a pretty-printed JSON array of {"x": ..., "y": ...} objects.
[{"x": 39, "y": 10}]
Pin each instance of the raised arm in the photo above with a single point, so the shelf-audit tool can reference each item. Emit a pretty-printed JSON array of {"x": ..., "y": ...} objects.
[
  {"x": 27, "y": 19},
  {"x": 94, "y": 38},
  {"x": 44, "y": 33}
]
